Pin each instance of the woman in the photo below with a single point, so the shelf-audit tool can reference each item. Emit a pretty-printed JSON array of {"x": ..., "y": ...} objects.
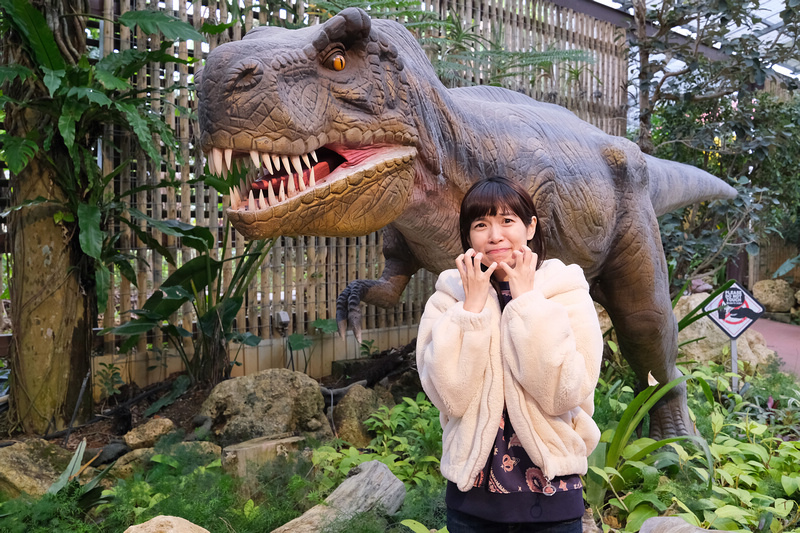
[{"x": 509, "y": 350}]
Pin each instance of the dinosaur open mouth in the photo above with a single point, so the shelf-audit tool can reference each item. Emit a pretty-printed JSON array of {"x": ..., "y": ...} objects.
[{"x": 275, "y": 179}]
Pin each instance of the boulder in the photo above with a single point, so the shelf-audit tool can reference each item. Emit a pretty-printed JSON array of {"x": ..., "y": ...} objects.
[
  {"x": 31, "y": 467},
  {"x": 166, "y": 524},
  {"x": 670, "y": 524},
  {"x": 265, "y": 404},
  {"x": 126, "y": 464},
  {"x": 751, "y": 346},
  {"x": 776, "y": 295},
  {"x": 370, "y": 485},
  {"x": 146, "y": 435},
  {"x": 797, "y": 297},
  {"x": 354, "y": 408}
]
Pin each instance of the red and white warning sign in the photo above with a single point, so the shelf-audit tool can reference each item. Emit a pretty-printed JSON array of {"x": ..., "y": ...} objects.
[{"x": 734, "y": 310}]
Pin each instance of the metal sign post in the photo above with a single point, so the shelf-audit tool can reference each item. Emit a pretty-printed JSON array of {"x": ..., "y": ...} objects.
[{"x": 734, "y": 310}]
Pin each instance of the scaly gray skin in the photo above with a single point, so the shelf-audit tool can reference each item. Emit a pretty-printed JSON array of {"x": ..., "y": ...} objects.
[{"x": 411, "y": 148}]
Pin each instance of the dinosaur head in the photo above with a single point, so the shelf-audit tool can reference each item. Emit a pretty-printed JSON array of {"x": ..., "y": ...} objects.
[{"x": 321, "y": 115}]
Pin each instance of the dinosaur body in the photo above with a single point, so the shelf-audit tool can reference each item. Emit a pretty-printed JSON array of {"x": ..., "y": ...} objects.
[{"x": 357, "y": 101}]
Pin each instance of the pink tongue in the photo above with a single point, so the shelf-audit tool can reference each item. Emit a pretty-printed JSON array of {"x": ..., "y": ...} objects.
[{"x": 356, "y": 157}]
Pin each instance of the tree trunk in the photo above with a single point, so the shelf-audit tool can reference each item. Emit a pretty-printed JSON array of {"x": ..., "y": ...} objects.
[
  {"x": 645, "y": 138},
  {"x": 52, "y": 313}
]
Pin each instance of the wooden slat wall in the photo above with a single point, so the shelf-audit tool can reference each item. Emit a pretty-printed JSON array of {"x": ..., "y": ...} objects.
[{"x": 304, "y": 276}]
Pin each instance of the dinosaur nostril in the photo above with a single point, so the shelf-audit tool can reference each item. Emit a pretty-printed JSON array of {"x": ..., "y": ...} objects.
[{"x": 245, "y": 75}]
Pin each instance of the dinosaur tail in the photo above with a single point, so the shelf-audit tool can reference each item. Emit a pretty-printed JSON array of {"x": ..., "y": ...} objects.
[{"x": 675, "y": 185}]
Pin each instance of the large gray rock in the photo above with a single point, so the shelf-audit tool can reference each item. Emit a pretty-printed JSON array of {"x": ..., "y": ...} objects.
[
  {"x": 670, "y": 524},
  {"x": 166, "y": 524},
  {"x": 371, "y": 485},
  {"x": 266, "y": 404},
  {"x": 776, "y": 295},
  {"x": 751, "y": 346},
  {"x": 31, "y": 467},
  {"x": 354, "y": 408}
]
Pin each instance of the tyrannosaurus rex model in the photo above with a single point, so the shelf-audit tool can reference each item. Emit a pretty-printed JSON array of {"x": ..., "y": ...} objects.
[{"x": 351, "y": 132}]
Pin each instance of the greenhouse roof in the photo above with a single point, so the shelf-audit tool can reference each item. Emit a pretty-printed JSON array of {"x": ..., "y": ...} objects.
[{"x": 770, "y": 27}]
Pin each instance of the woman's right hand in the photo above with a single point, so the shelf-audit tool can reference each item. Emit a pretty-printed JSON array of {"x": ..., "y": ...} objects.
[{"x": 474, "y": 279}]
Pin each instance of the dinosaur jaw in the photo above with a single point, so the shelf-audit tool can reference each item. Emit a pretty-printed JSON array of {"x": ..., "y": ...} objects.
[{"x": 332, "y": 191}]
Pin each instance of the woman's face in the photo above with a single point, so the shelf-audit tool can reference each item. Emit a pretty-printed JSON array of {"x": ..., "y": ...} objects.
[{"x": 497, "y": 237}]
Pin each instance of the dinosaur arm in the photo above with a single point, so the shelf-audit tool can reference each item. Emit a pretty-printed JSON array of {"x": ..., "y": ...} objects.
[{"x": 384, "y": 292}]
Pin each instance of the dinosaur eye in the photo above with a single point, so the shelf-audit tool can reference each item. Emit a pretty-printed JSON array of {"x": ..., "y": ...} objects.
[{"x": 335, "y": 61}]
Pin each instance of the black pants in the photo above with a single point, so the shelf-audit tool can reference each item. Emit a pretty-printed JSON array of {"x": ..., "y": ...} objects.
[{"x": 458, "y": 522}]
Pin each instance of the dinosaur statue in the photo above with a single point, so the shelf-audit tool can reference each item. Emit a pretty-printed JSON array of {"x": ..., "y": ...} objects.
[{"x": 350, "y": 131}]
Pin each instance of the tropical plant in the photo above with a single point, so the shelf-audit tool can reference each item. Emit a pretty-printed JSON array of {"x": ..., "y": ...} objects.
[
  {"x": 299, "y": 342},
  {"x": 199, "y": 282},
  {"x": 60, "y": 101}
]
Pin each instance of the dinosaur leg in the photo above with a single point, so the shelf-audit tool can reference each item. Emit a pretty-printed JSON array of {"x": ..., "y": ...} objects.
[
  {"x": 383, "y": 292},
  {"x": 634, "y": 289}
]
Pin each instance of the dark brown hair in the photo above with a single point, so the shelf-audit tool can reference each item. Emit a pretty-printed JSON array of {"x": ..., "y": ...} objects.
[{"x": 489, "y": 196}]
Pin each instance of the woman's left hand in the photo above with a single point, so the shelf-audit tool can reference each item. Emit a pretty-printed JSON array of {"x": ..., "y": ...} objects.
[{"x": 520, "y": 278}]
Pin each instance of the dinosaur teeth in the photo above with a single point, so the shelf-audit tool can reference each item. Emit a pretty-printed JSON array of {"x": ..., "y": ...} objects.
[
  {"x": 228, "y": 157},
  {"x": 271, "y": 196},
  {"x": 267, "y": 162},
  {"x": 234, "y": 195},
  {"x": 314, "y": 155},
  {"x": 281, "y": 193},
  {"x": 251, "y": 202},
  {"x": 262, "y": 203},
  {"x": 256, "y": 159},
  {"x": 311, "y": 182},
  {"x": 297, "y": 165},
  {"x": 210, "y": 161},
  {"x": 285, "y": 161},
  {"x": 277, "y": 162},
  {"x": 216, "y": 154},
  {"x": 290, "y": 189},
  {"x": 302, "y": 183},
  {"x": 306, "y": 161}
]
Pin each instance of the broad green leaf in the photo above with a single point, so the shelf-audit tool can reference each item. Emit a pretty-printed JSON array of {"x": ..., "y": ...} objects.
[
  {"x": 134, "y": 327},
  {"x": 788, "y": 265},
  {"x": 27, "y": 203},
  {"x": 633, "y": 500},
  {"x": 155, "y": 21},
  {"x": 415, "y": 526},
  {"x": 35, "y": 32},
  {"x": 103, "y": 281},
  {"x": 222, "y": 315},
  {"x": 165, "y": 460},
  {"x": 52, "y": 79},
  {"x": 790, "y": 484},
  {"x": 197, "y": 237},
  {"x": 637, "y": 517},
  {"x": 180, "y": 386},
  {"x": 72, "y": 468},
  {"x": 11, "y": 72},
  {"x": 91, "y": 236},
  {"x": 110, "y": 81},
  {"x": 215, "y": 29},
  {"x": 71, "y": 113},
  {"x": 89, "y": 94},
  {"x": 140, "y": 128},
  {"x": 246, "y": 338},
  {"x": 735, "y": 513},
  {"x": 17, "y": 152},
  {"x": 299, "y": 342}
]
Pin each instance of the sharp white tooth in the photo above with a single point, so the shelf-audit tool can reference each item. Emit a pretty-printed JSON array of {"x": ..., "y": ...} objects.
[
  {"x": 281, "y": 193},
  {"x": 286, "y": 167},
  {"x": 262, "y": 203},
  {"x": 267, "y": 162},
  {"x": 277, "y": 162},
  {"x": 216, "y": 154},
  {"x": 305, "y": 160},
  {"x": 228, "y": 156},
  {"x": 311, "y": 182},
  {"x": 255, "y": 158},
  {"x": 234, "y": 194},
  {"x": 290, "y": 188},
  {"x": 210, "y": 161},
  {"x": 314, "y": 155},
  {"x": 251, "y": 202},
  {"x": 298, "y": 166},
  {"x": 301, "y": 183},
  {"x": 271, "y": 195}
]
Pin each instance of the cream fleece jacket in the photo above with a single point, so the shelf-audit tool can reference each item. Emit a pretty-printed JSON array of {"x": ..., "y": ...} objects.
[{"x": 541, "y": 357}]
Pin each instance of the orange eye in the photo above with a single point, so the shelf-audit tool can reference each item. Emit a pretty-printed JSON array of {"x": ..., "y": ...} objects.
[{"x": 335, "y": 62}]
